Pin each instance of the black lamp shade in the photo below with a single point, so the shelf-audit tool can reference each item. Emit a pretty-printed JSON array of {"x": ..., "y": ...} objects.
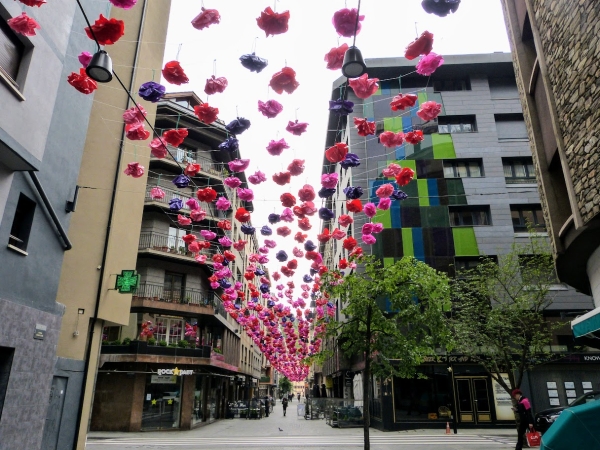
[
  {"x": 100, "y": 67},
  {"x": 354, "y": 65}
]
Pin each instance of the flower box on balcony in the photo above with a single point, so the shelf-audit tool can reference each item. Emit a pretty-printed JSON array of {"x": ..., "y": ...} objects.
[{"x": 217, "y": 356}]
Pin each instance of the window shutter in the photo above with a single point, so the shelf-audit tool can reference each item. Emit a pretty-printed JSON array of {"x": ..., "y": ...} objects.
[{"x": 11, "y": 51}]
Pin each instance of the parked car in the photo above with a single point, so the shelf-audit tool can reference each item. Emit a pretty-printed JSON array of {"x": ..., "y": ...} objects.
[{"x": 545, "y": 418}]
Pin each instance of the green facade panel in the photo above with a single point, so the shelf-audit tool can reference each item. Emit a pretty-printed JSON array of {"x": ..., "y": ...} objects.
[
  {"x": 407, "y": 242},
  {"x": 465, "y": 243},
  {"x": 443, "y": 146}
]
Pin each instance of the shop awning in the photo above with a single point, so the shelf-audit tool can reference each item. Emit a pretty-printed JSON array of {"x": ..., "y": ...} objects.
[
  {"x": 576, "y": 427},
  {"x": 586, "y": 324}
]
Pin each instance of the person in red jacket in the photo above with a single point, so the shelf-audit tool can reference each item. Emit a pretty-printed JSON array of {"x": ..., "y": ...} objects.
[{"x": 523, "y": 408}]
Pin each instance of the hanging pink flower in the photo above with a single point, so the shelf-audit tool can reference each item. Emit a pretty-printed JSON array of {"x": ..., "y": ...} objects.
[
  {"x": 106, "y": 31},
  {"x": 275, "y": 148},
  {"x": 420, "y": 46},
  {"x": 206, "y": 18},
  {"x": 175, "y": 137},
  {"x": 238, "y": 165},
  {"x": 414, "y": 137},
  {"x": 173, "y": 73},
  {"x": 206, "y": 113},
  {"x": 306, "y": 193},
  {"x": 183, "y": 221},
  {"x": 257, "y": 178},
  {"x": 329, "y": 180},
  {"x": 124, "y": 4},
  {"x": 198, "y": 215},
  {"x": 208, "y": 235},
  {"x": 377, "y": 228},
  {"x": 370, "y": 210},
  {"x": 134, "y": 170},
  {"x": 402, "y": 101},
  {"x": 136, "y": 132},
  {"x": 296, "y": 167},
  {"x": 214, "y": 85},
  {"x": 364, "y": 127},
  {"x": 364, "y": 86},
  {"x": 384, "y": 204},
  {"x": 245, "y": 194},
  {"x": 232, "y": 182},
  {"x": 23, "y": 24},
  {"x": 239, "y": 245},
  {"x": 338, "y": 234},
  {"x": 345, "y": 20},
  {"x": 192, "y": 169},
  {"x": 390, "y": 139},
  {"x": 384, "y": 190},
  {"x": 192, "y": 203},
  {"x": 157, "y": 193},
  {"x": 157, "y": 148},
  {"x": 296, "y": 128},
  {"x": 273, "y": 23},
  {"x": 284, "y": 80},
  {"x": 133, "y": 115},
  {"x": 344, "y": 220},
  {"x": 225, "y": 242},
  {"x": 270, "y": 108},
  {"x": 223, "y": 204},
  {"x": 369, "y": 239},
  {"x": 202, "y": 259},
  {"x": 367, "y": 228},
  {"x": 84, "y": 58},
  {"x": 405, "y": 176},
  {"x": 429, "y": 63},
  {"x": 271, "y": 244},
  {"x": 429, "y": 110},
  {"x": 82, "y": 82},
  {"x": 283, "y": 231},
  {"x": 392, "y": 170},
  {"x": 335, "y": 57},
  {"x": 282, "y": 178},
  {"x": 287, "y": 215}
]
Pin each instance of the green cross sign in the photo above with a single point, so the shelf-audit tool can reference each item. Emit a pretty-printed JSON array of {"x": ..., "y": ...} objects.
[{"x": 127, "y": 282}]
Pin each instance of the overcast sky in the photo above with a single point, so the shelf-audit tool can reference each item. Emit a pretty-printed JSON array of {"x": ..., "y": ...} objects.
[{"x": 389, "y": 25}]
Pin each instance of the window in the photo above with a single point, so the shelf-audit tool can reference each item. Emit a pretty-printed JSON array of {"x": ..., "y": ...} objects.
[
  {"x": 111, "y": 333},
  {"x": 511, "y": 127},
  {"x": 11, "y": 52},
  {"x": 6, "y": 359},
  {"x": 174, "y": 286},
  {"x": 466, "y": 263},
  {"x": 21, "y": 226},
  {"x": 469, "y": 216},
  {"x": 169, "y": 330},
  {"x": 537, "y": 269},
  {"x": 456, "y": 124},
  {"x": 518, "y": 170},
  {"x": 176, "y": 242},
  {"x": 459, "y": 84},
  {"x": 463, "y": 168},
  {"x": 527, "y": 214}
]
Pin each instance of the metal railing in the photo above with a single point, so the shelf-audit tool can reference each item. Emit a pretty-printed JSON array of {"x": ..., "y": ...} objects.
[
  {"x": 219, "y": 308},
  {"x": 171, "y": 244},
  {"x": 184, "y": 156},
  {"x": 211, "y": 210},
  {"x": 166, "y": 294},
  {"x": 520, "y": 180}
]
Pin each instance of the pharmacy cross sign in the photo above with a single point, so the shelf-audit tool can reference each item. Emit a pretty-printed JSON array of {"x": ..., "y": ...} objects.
[{"x": 127, "y": 282}]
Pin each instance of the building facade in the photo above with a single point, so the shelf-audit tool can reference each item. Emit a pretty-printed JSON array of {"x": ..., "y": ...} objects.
[
  {"x": 474, "y": 192},
  {"x": 554, "y": 55}
]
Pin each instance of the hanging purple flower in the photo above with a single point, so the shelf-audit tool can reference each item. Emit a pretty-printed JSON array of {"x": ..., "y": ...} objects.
[
  {"x": 259, "y": 272},
  {"x": 253, "y": 63},
  {"x": 351, "y": 160},
  {"x": 266, "y": 231},
  {"x": 399, "y": 195},
  {"x": 224, "y": 283},
  {"x": 238, "y": 126},
  {"x": 152, "y": 91},
  {"x": 326, "y": 214},
  {"x": 264, "y": 288},
  {"x": 181, "y": 181},
  {"x": 309, "y": 246},
  {"x": 307, "y": 278},
  {"x": 440, "y": 8},
  {"x": 353, "y": 192},
  {"x": 313, "y": 272},
  {"x": 281, "y": 256},
  {"x": 247, "y": 229},
  {"x": 231, "y": 144},
  {"x": 274, "y": 218},
  {"x": 175, "y": 204},
  {"x": 270, "y": 303},
  {"x": 326, "y": 193},
  {"x": 341, "y": 107}
]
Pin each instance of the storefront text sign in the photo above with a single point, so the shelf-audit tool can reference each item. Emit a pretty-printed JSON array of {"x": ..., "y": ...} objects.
[{"x": 175, "y": 371}]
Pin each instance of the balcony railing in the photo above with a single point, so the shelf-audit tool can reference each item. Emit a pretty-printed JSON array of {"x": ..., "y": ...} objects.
[
  {"x": 211, "y": 211},
  {"x": 520, "y": 180},
  {"x": 183, "y": 157},
  {"x": 219, "y": 308},
  {"x": 167, "y": 294},
  {"x": 171, "y": 245}
]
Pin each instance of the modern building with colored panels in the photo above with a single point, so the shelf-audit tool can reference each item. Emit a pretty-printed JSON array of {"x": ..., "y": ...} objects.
[{"x": 473, "y": 193}]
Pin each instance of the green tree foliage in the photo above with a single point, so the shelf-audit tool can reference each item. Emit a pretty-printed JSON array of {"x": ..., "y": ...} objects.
[{"x": 285, "y": 385}]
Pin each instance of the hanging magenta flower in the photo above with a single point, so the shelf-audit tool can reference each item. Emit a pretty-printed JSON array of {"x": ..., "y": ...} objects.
[
  {"x": 345, "y": 21},
  {"x": 206, "y": 195},
  {"x": 351, "y": 160},
  {"x": 364, "y": 127},
  {"x": 284, "y": 80},
  {"x": 24, "y": 25},
  {"x": 151, "y": 91},
  {"x": 230, "y": 144},
  {"x": 370, "y": 210},
  {"x": 270, "y": 243},
  {"x": 223, "y": 204},
  {"x": 174, "y": 74},
  {"x": 238, "y": 125},
  {"x": 157, "y": 193},
  {"x": 414, "y": 137},
  {"x": 369, "y": 239},
  {"x": 181, "y": 181},
  {"x": 257, "y": 178},
  {"x": 214, "y": 85},
  {"x": 275, "y": 148},
  {"x": 175, "y": 137},
  {"x": 326, "y": 192},
  {"x": 296, "y": 128},
  {"x": 287, "y": 200},
  {"x": 253, "y": 62},
  {"x": 273, "y": 23},
  {"x": 37, "y": 3},
  {"x": 306, "y": 193},
  {"x": 208, "y": 235},
  {"x": 364, "y": 86},
  {"x": 384, "y": 204},
  {"x": 283, "y": 231},
  {"x": 429, "y": 63},
  {"x": 206, "y": 113},
  {"x": 420, "y": 46},
  {"x": 238, "y": 165},
  {"x": 345, "y": 220},
  {"x": 336, "y": 152},
  {"x": 82, "y": 82},
  {"x": 440, "y": 8},
  {"x": 390, "y": 139},
  {"x": 135, "y": 114},
  {"x": 192, "y": 169},
  {"x": 296, "y": 167},
  {"x": 341, "y": 107},
  {"x": 157, "y": 148},
  {"x": 106, "y": 31},
  {"x": 270, "y": 108},
  {"x": 192, "y": 203},
  {"x": 136, "y": 132},
  {"x": 399, "y": 195},
  {"x": 335, "y": 57},
  {"x": 384, "y": 191},
  {"x": 245, "y": 194},
  {"x": 287, "y": 215},
  {"x": 429, "y": 110},
  {"x": 84, "y": 58},
  {"x": 124, "y": 4},
  {"x": 402, "y": 101},
  {"x": 232, "y": 182},
  {"x": 134, "y": 170},
  {"x": 183, "y": 221},
  {"x": 282, "y": 178},
  {"x": 405, "y": 176},
  {"x": 206, "y": 18},
  {"x": 175, "y": 204},
  {"x": 329, "y": 180}
]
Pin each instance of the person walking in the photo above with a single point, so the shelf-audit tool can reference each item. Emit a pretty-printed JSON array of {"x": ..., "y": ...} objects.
[
  {"x": 523, "y": 408},
  {"x": 298, "y": 396},
  {"x": 267, "y": 405},
  {"x": 284, "y": 403}
]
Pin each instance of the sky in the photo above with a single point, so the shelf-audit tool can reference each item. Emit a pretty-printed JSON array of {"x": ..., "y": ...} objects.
[{"x": 389, "y": 26}]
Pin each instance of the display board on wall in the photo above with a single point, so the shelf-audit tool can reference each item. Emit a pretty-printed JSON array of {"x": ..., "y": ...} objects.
[{"x": 502, "y": 400}]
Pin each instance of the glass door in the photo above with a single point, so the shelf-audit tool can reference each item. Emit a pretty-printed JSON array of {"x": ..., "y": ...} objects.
[
  {"x": 162, "y": 402},
  {"x": 473, "y": 398},
  {"x": 482, "y": 400},
  {"x": 464, "y": 400}
]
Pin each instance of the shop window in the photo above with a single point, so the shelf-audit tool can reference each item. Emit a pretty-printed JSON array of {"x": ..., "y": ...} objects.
[
  {"x": 22, "y": 222},
  {"x": 162, "y": 400},
  {"x": 6, "y": 358},
  {"x": 198, "y": 404},
  {"x": 174, "y": 287},
  {"x": 511, "y": 127},
  {"x": 111, "y": 334},
  {"x": 424, "y": 400},
  {"x": 456, "y": 84},
  {"x": 456, "y": 124},
  {"x": 469, "y": 216},
  {"x": 169, "y": 330},
  {"x": 11, "y": 54},
  {"x": 527, "y": 215},
  {"x": 463, "y": 168},
  {"x": 518, "y": 170}
]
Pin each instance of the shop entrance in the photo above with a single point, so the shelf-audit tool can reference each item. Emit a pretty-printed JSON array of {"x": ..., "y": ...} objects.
[
  {"x": 473, "y": 400},
  {"x": 162, "y": 402}
]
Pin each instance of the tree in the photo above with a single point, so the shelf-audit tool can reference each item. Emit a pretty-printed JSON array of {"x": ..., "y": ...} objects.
[
  {"x": 285, "y": 385},
  {"x": 394, "y": 316},
  {"x": 498, "y": 311}
]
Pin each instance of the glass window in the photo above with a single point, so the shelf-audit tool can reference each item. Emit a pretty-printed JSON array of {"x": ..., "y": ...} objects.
[
  {"x": 22, "y": 222},
  {"x": 518, "y": 170},
  {"x": 174, "y": 286},
  {"x": 169, "y": 330},
  {"x": 522, "y": 215},
  {"x": 198, "y": 404},
  {"x": 456, "y": 124},
  {"x": 458, "y": 168},
  {"x": 162, "y": 401},
  {"x": 11, "y": 52},
  {"x": 510, "y": 127},
  {"x": 469, "y": 216}
]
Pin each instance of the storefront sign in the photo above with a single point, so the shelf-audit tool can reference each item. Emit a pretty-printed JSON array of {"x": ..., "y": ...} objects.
[
  {"x": 502, "y": 400},
  {"x": 175, "y": 371},
  {"x": 163, "y": 379}
]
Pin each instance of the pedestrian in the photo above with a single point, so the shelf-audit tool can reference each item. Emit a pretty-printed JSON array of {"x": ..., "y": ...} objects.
[
  {"x": 525, "y": 416},
  {"x": 284, "y": 403},
  {"x": 291, "y": 397},
  {"x": 298, "y": 396},
  {"x": 267, "y": 405}
]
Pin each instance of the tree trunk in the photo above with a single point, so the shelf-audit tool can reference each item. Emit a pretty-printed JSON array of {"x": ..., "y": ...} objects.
[{"x": 367, "y": 382}]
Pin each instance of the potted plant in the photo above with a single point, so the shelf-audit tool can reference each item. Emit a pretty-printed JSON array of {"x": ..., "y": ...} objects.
[
  {"x": 126, "y": 341},
  {"x": 162, "y": 343},
  {"x": 152, "y": 341},
  {"x": 182, "y": 343}
]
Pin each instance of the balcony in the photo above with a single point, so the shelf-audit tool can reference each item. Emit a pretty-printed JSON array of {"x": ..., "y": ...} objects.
[
  {"x": 157, "y": 297},
  {"x": 183, "y": 157},
  {"x": 171, "y": 247},
  {"x": 212, "y": 213}
]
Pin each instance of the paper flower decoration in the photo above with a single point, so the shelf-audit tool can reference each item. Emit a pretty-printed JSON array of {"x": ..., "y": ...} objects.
[
  {"x": 335, "y": 57},
  {"x": 245, "y": 194},
  {"x": 192, "y": 203},
  {"x": 198, "y": 215},
  {"x": 329, "y": 180},
  {"x": 384, "y": 204},
  {"x": 306, "y": 193},
  {"x": 206, "y": 18},
  {"x": 344, "y": 220},
  {"x": 257, "y": 178},
  {"x": 338, "y": 234},
  {"x": 270, "y": 243},
  {"x": 297, "y": 252},
  {"x": 309, "y": 246},
  {"x": 206, "y": 113},
  {"x": 345, "y": 22},
  {"x": 384, "y": 191},
  {"x": 341, "y": 107},
  {"x": 224, "y": 224},
  {"x": 174, "y": 74},
  {"x": 106, "y": 31},
  {"x": 404, "y": 177},
  {"x": 181, "y": 181},
  {"x": 136, "y": 132},
  {"x": 440, "y": 8},
  {"x": 270, "y": 108},
  {"x": 296, "y": 167},
  {"x": 275, "y": 148},
  {"x": 183, "y": 221},
  {"x": 274, "y": 218},
  {"x": 238, "y": 125},
  {"x": 429, "y": 63},
  {"x": 364, "y": 86},
  {"x": 134, "y": 170},
  {"x": 151, "y": 91},
  {"x": 284, "y": 80},
  {"x": 134, "y": 115},
  {"x": 84, "y": 58},
  {"x": 175, "y": 204},
  {"x": 414, "y": 137},
  {"x": 32, "y": 3},
  {"x": 390, "y": 139},
  {"x": 281, "y": 256},
  {"x": 188, "y": 238},
  {"x": 282, "y": 178},
  {"x": 399, "y": 195},
  {"x": 239, "y": 245},
  {"x": 266, "y": 231},
  {"x": 157, "y": 193},
  {"x": 242, "y": 215},
  {"x": 300, "y": 238},
  {"x": 253, "y": 62},
  {"x": 207, "y": 195},
  {"x": 292, "y": 264},
  {"x": 354, "y": 206},
  {"x": 284, "y": 231},
  {"x": 364, "y": 127},
  {"x": 273, "y": 23},
  {"x": 82, "y": 82},
  {"x": 175, "y": 137},
  {"x": 349, "y": 243},
  {"x": 429, "y": 110},
  {"x": 336, "y": 152},
  {"x": 223, "y": 204},
  {"x": 369, "y": 239},
  {"x": 326, "y": 192},
  {"x": 208, "y": 235},
  {"x": 420, "y": 46},
  {"x": 123, "y": 4},
  {"x": 351, "y": 160},
  {"x": 238, "y": 165},
  {"x": 287, "y": 200},
  {"x": 232, "y": 182},
  {"x": 230, "y": 144},
  {"x": 287, "y": 215},
  {"x": 304, "y": 224},
  {"x": 402, "y": 101},
  {"x": 226, "y": 243},
  {"x": 214, "y": 85},
  {"x": 23, "y": 24},
  {"x": 296, "y": 128}
]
